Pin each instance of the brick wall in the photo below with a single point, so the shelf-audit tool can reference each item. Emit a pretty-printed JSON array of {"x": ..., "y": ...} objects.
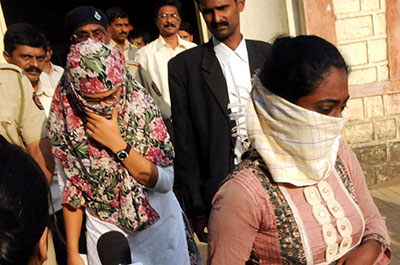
[{"x": 372, "y": 126}]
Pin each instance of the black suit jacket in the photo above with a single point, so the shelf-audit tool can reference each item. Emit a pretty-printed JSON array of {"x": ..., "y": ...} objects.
[{"x": 203, "y": 142}]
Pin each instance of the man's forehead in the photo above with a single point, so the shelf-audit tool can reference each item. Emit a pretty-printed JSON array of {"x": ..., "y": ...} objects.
[
  {"x": 121, "y": 20},
  {"x": 168, "y": 9},
  {"x": 215, "y": 3},
  {"x": 29, "y": 50},
  {"x": 90, "y": 27},
  {"x": 183, "y": 32}
]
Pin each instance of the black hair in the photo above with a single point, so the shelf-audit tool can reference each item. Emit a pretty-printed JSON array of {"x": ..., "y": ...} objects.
[
  {"x": 24, "y": 205},
  {"x": 23, "y": 34},
  {"x": 115, "y": 12},
  {"x": 161, "y": 3},
  {"x": 139, "y": 32},
  {"x": 186, "y": 26},
  {"x": 298, "y": 65}
]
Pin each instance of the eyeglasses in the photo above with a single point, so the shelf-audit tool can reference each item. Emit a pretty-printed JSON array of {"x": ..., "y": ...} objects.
[
  {"x": 84, "y": 35},
  {"x": 164, "y": 16}
]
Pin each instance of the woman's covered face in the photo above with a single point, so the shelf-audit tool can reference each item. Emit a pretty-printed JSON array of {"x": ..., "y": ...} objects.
[
  {"x": 330, "y": 96},
  {"x": 101, "y": 103}
]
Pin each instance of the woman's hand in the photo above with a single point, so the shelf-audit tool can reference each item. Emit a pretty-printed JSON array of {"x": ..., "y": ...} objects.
[
  {"x": 365, "y": 254},
  {"x": 105, "y": 131}
]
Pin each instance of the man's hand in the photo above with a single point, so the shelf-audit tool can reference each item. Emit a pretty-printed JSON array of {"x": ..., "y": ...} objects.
[
  {"x": 105, "y": 131},
  {"x": 198, "y": 225},
  {"x": 365, "y": 254}
]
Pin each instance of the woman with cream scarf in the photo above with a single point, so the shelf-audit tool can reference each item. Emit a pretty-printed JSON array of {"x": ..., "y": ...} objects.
[{"x": 300, "y": 197}]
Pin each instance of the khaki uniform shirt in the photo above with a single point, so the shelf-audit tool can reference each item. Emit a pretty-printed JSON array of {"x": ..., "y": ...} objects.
[
  {"x": 22, "y": 121},
  {"x": 143, "y": 77},
  {"x": 129, "y": 49}
]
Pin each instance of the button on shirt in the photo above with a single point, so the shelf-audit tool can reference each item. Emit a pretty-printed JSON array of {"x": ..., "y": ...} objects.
[
  {"x": 154, "y": 58},
  {"x": 236, "y": 69}
]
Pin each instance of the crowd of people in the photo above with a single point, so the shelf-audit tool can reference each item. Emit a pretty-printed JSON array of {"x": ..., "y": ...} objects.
[{"x": 165, "y": 143}]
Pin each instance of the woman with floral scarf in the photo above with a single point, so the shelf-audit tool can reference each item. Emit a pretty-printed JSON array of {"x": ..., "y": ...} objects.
[{"x": 117, "y": 156}]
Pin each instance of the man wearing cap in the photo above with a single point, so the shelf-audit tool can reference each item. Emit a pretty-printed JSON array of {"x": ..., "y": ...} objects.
[{"x": 84, "y": 22}]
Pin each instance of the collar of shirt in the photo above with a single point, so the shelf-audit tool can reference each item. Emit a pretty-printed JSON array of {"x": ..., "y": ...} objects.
[
  {"x": 55, "y": 74},
  {"x": 225, "y": 53},
  {"x": 127, "y": 45},
  {"x": 43, "y": 90},
  {"x": 161, "y": 43},
  {"x": 55, "y": 69}
]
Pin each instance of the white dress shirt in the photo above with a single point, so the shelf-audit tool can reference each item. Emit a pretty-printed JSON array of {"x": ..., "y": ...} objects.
[
  {"x": 47, "y": 86},
  {"x": 154, "y": 59},
  {"x": 236, "y": 69}
]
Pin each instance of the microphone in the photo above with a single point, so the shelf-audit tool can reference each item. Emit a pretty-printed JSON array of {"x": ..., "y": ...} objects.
[{"x": 113, "y": 249}]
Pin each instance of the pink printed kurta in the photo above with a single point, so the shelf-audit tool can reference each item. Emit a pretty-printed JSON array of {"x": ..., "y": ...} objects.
[{"x": 280, "y": 227}]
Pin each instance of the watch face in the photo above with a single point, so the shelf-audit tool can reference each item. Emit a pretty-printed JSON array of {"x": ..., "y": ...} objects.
[{"x": 122, "y": 155}]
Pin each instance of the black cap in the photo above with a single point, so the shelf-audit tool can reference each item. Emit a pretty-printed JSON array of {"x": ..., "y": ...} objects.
[{"x": 84, "y": 15}]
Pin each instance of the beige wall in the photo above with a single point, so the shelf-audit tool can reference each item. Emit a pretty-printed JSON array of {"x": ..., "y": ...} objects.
[
  {"x": 3, "y": 29},
  {"x": 372, "y": 127},
  {"x": 265, "y": 19}
]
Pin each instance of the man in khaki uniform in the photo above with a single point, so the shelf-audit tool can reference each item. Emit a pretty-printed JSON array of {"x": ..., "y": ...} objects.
[
  {"x": 23, "y": 123},
  {"x": 118, "y": 29}
]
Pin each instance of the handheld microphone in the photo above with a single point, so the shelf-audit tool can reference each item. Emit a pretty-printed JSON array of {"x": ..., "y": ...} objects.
[{"x": 113, "y": 249}]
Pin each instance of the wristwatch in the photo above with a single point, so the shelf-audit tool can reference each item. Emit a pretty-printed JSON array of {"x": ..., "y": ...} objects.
[{"x": 123, "y": 154}]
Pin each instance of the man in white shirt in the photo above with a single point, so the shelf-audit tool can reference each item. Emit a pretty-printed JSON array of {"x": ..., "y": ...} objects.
[
  {"x": 48, "y": 80},
  {"x": 118, "y": 28},
  {"x": 154, "y": 57}
]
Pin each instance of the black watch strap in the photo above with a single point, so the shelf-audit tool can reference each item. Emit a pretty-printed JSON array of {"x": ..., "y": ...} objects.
[{"x": 123, "y": 154}]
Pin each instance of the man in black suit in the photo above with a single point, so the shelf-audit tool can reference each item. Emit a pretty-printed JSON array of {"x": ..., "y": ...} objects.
[{"x": 202, "y": 82}]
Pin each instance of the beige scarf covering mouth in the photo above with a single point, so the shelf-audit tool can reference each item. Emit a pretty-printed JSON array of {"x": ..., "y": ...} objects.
[{"x": 298, "y": 145}]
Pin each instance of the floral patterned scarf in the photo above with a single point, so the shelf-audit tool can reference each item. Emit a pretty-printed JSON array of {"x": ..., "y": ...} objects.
[{"x": 95, "y": 180}]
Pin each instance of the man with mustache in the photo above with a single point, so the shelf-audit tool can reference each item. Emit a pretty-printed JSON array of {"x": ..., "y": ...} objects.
[
  {"x": 154, "y": 57},
  {"x": 118, "y": 28},
  {"x": 27, "y": 50},
  {"x": 23, "y": 120},
  {"x": 209, "y": 88}
]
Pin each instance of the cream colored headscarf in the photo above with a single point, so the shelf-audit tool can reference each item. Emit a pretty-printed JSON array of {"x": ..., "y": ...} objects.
[{"x": 299, "y": 146}]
